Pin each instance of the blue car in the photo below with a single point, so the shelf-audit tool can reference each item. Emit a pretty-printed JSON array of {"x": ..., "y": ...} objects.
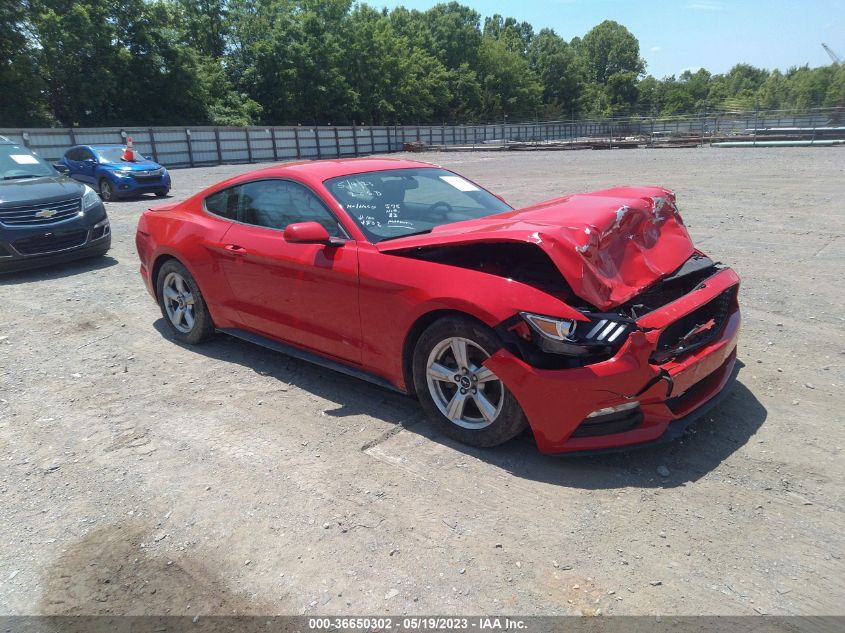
[{"x": 103, "y": 168}]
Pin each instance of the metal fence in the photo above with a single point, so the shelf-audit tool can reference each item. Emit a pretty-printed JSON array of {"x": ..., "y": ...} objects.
[{"x": 196, "y": 146}]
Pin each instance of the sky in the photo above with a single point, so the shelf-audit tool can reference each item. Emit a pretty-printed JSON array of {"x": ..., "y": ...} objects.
[{"x": 689, "y": 34}]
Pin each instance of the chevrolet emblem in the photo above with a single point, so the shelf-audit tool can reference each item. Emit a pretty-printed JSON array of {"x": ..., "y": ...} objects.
[{"x": 46, "y": 213}]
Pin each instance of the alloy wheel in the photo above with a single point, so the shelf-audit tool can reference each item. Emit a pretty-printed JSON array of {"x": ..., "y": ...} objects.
[
  {"x": 467, "y": 393},
  {"x": 106, "y": 192},
  {"x": 179, "y": 302}
]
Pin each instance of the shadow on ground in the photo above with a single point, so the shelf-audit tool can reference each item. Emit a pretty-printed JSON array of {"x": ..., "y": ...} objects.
[
  {"x": 705, "y": 444},
  {"x": 58, "y": 271}
]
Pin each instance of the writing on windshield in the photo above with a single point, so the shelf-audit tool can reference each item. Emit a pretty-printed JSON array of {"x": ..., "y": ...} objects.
[{"x": 398, "y": 202}]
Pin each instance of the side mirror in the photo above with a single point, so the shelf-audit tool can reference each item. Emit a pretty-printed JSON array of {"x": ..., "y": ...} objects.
[
  {"x": 307, "y": 233},
  {"x": 61, "y": 168}
]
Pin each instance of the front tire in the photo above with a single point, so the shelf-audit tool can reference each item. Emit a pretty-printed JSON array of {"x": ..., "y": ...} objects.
[
  {"x": 106, "y": 190},
  {"x": 465, "y": 400},
  {"x": 182, "y": 304}
]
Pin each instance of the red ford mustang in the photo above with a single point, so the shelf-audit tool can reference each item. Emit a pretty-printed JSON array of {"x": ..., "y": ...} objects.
[{"x": 590, "y": 318}]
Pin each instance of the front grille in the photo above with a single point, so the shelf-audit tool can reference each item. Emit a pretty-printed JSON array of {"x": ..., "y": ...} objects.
[
  {"x": 147, "y": 175},
  {"x": 683, "y": 281},
  {"x": 41, "y": 213},
  {"x": 697, "y": 328},
  {"x": 50, "y": 242}
]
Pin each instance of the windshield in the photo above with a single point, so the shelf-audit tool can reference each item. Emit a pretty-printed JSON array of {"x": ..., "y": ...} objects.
[
  {"x": 112, "y": 154},
  {"x": 399, "y": 202},
  {"x": 17, "y": 161}
]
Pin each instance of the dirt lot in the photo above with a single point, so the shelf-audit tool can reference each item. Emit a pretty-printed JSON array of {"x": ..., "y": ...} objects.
[{"x": 140, "y": 477}]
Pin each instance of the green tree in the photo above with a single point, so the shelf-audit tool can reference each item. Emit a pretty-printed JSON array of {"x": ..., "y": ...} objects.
[
  {"x": 393, "y": 80},
  {"x": 453, "y": 35},
  {"x": 835, "y": 95},
  {"x": 516, "y": 36},
  {"x": 508, "y": 85},
  {"x": 287, "y": 56},
  {"x": 204, "y": 24},
  {"x": 557, "y": 66},
  {"x": 21, "y": 85},
  {"x": 610, "y": 48}
]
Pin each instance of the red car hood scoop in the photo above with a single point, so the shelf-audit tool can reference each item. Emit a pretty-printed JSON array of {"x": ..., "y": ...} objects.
[{"x": 609, "y": 245}]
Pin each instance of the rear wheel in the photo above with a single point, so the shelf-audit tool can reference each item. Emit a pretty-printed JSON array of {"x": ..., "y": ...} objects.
[
  {"x": 182, "y": 304},
  {"x": 106, "y": 190},
  {"x": 465, "y": 400},
  {"x": 160, "y": 194}
]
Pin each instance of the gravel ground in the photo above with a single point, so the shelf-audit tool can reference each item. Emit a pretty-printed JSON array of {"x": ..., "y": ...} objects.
[{"x": 143, "y": 477}]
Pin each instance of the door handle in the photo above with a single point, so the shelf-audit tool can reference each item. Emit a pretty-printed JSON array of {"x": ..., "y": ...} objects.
[{"x": 235, "y": 249}]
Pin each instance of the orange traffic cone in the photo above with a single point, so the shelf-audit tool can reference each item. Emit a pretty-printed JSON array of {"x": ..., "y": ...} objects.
[{"x": 129, "y": 151}]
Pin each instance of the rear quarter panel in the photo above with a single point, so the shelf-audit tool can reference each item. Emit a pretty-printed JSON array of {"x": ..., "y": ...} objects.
[{"x": 189, "y": 235}]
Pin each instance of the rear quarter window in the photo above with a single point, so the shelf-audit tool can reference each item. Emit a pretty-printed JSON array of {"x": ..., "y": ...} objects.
[{"x": 223, "y": 203}]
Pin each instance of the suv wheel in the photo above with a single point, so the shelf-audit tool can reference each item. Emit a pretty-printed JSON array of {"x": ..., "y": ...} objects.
[
  {"x": 465, "y": 400},
  {"x": 106, "y": 190},
  {"x": 182, "y": 304}
]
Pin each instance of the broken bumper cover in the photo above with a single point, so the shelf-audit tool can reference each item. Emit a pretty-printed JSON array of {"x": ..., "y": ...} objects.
[{"x": 558, "y": 401}]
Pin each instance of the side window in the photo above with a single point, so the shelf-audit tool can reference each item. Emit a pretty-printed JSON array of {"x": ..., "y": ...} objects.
[
  {"x": 75, "y": 154},
  {"x": 223, "y": 203},
  {"x": 277, "y": 203}
]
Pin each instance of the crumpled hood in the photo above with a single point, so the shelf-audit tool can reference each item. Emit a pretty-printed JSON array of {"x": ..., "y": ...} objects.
[{"x": 609, "y": 245}]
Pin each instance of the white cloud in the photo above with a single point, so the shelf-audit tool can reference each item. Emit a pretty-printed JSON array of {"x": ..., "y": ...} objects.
[{"x": 656, "y": 49}]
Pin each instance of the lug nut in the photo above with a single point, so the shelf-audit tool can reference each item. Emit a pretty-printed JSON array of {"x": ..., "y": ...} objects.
[
  {"x": 457, "y": 378},
  {"x": 463, "y": 391}
]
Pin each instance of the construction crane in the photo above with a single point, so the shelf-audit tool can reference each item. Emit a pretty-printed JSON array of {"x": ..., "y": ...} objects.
[{"x": 836, "y": 58}]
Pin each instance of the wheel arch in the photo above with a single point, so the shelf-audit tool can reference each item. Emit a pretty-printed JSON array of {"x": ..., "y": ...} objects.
[
  {"x": 160, "y": 261},
  {"x": 415, "y": 331}
]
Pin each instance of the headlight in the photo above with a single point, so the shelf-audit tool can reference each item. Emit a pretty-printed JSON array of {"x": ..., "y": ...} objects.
[
  {"x": 565, "y": 336},
  {"x": 556, "y": 329},
  {"x": 123, "y": 173},
  {"x": 89, "y": 198}
]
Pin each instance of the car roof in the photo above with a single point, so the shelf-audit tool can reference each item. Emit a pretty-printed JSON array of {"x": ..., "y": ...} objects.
[{"x": 325, "y": 169}]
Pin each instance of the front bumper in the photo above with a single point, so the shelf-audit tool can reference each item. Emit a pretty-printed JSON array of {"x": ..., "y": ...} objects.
[
  {"x": 556, "y": 402},
  {"x": 33, "y": 247},
  {"x": 130, "y": 185}
]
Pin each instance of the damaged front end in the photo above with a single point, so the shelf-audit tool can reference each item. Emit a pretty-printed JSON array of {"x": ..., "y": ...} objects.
[
  {"x": 676, "y": 351},
  {"x": 646, "y": 329}
]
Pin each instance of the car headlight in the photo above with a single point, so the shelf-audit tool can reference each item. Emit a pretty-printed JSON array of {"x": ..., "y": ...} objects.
[
  {"x": 578, "y": 338},
  {"x": 555, "y": 329},
  {"x": 89, "y": 198},
  {"x": 123, "y": 173}
]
